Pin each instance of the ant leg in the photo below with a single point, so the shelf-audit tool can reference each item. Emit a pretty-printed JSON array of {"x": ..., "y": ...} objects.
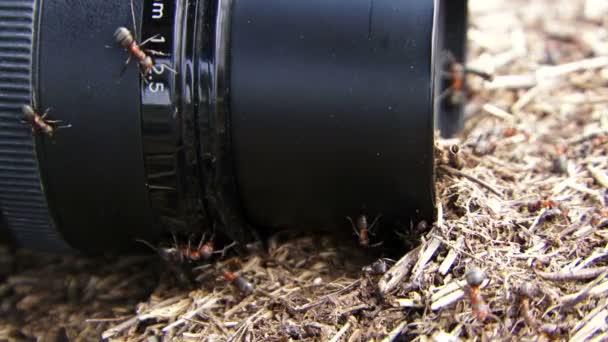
[
  {"x": 46, "y": 112},
  {"x": 124, "y": 67},
  {"x": 148, "y": 244},
  {"x": 148, "y": 40},
  {"x": 223, "y": 250},
  {"x": 447, "y": 75},
  {"x": 447, "y": 92},
  {"x": 180, "y": 253},
  {"x": 133, "y": 18},
  {"x": 376, "y": 244},
  {"x": 449, "y": 57},
  {"x": 64, "y": 126},
  {"x": 479, "y": 73},
  {"x": 353, "y": 225},
  {"x": 169, "y": 68},
  {"x": 374, "y": 223},
  {"x": 200, "y": 243},
  {"x": 157, "y": 53}
]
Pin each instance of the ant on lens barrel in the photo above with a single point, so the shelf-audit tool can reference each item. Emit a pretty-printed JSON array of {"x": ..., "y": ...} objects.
[
  {"x": 188, "y": 253},
  {"x": 38, "y": 122},
  {"x": 363, "y": 230},
  {"x": 456, "y": 73},
  {"x": 128, "y": 40}
]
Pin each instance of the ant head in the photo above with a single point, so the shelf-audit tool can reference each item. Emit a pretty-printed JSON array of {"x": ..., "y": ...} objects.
[
  {"x": 528, "y": 290},
  {"x": 206, "y": 251},
  {"x": 475, "y": 276},
  {"x": 194, "y": 255},
  {"x": 28, "y": 111},
  {"x": 123, "y": 36}
]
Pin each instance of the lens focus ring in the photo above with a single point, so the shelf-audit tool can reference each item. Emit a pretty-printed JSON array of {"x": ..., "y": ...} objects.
[{"x": 22, "y": 200}]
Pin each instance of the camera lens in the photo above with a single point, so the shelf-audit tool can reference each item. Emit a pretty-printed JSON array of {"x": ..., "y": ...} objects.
[{"x": 238, "y": 116}]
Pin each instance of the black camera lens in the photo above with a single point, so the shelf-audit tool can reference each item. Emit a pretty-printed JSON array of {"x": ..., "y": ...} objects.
[{"x": 239, "y": 116}]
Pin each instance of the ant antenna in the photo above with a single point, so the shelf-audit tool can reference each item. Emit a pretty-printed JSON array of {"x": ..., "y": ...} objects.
[
  {"x": 134, "y": 23},
  {"x": 147, "y": 244}
]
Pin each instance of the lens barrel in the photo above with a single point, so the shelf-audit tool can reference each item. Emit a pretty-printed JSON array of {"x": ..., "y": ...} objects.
[{"x": 256, "y": 115}]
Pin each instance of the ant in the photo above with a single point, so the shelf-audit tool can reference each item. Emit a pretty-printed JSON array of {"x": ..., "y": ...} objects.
[
  {"x": 186, "y": 253},
  {"x": 363, "y": 230},
  {"x": 239, "y": 282},
  {"x": 128, "y": 40},
  {"x": 456, "y": 73},
  {"x": 527, "y": 291},
  {"x": 38, "y": 122},
  {"x": 204, "y": 250},
  {"x": 474, "y": 278}
]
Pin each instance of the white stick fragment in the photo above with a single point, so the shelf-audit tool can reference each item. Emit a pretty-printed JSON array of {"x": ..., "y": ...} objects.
[
  {"x": 341, "y": 332},
  {"x": 497, "y": 112},
  {"x": 395, "y": 332},
  {"x": 447, "y": 263},
  {"x": 546, "y": 73},
  {"x": 600, "y": 177},
  {"x": 594, "y": 194},
  {"x": 425, "y": 257},
  {"x": 119, "y": 328},
  {"x": 595, "y": 321},
  {"x": 207, "y": 303},
  {"x": 393, "y": 277}
]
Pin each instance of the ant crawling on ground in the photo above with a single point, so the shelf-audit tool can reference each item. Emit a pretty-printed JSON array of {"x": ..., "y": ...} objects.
[
  {"x": 456, "y": 73},
  {"x": 128, "y": 40},
  {"x": 38, "y": 122},
  {"x": 363, "y": 230},
  {"x": 475, "y": 277}
]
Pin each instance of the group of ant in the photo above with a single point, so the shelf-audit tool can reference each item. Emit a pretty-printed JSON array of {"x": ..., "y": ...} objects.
[
  {"x": 182, "y": 254},
  {"x": 126, "y": 39},
  {"x": 188, "y": 254},
  {"x": 526, "y": 293}
]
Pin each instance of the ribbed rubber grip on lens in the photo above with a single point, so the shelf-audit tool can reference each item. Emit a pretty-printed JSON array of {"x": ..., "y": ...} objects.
[{"x": 22, "y": 201}]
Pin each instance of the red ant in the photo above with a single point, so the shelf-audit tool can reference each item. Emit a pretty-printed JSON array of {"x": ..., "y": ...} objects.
[
  {"x": 363, "y": 231},
  {"x": 474, "y": 278},
  {"x": 456, "y": 73},
  {"x": 204, "y": 250},
  {"x": 128, "y": 40},
  {"x": 239, "y": 282},
  {"x": 182, "y": 253},
  {"x": 39, "y": 122},
  {"x": 527, "y": 291}
]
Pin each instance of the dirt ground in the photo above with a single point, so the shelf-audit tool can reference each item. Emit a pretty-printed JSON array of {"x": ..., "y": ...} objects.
[{"x": 519, "y": 250}]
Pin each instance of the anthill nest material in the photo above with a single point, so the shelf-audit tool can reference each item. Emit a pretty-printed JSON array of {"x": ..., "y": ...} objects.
[{"x": 522, "y": 217}]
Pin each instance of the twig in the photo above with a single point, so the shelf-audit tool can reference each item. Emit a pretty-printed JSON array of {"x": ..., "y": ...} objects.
[
  {"x": 395, "y": 332},
  {"x": 394, "y": 276},
  {"x": 429, "y": 252},
  {"x": 570, "y": 301},
  {"x": 471, "y": 178},
  {"x": 447, "y": 263},
  {"x": 119, "y": 328},
  {"x": 600, "y": 177},
  {"x": 587, "y": 273},
  {"x": 546, "y": 73},
  {"x": 497, "y": 112},
  {"x": 341, "y": 332}
]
